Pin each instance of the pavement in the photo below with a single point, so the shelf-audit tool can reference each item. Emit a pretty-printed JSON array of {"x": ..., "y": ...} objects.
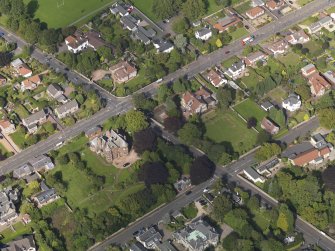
[{"x": 230, "y": 173}]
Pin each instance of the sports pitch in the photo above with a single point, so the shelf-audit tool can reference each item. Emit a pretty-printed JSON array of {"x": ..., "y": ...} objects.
[{"x": 61, "y": 13}]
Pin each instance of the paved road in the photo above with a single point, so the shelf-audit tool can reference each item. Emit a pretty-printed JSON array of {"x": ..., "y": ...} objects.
[{"x": 230, "y": 173}]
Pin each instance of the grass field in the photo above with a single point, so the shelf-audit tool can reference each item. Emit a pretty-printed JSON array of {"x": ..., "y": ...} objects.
[
  {"x": 228, "y": 127},
  {"x": 249, "y": 108},
  {"x": 79, "y": 193},
  {"x": 61, "y": 13},
  {"x": 290, "y": 59}
]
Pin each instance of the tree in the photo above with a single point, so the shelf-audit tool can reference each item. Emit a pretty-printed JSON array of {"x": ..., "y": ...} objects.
[
  {"x": 201, "y": 170},
  {"x": 145, "y": 140},
  {"x": 172, "y": 124},
  {"x": 163, "y": 92},
  {"x": 267, "y": 151},
  {"x": 221, "y": 206},
  {"x": 49, "y": 127},
  {"x": 272, "y": 245},
  {"x": 180, "y": 25},
  {"x": 153, "y": 173},
  {"x": 31, "y": 32},
  {"x": 247, "y": 50},
  {"x": 180, "y": 42},
  {"x": 105, "y": 53},
  {"x": 325, "y": 45},
  {"x": 224, "y": 97},
  {"x": 285, "y": 219},
  {"x": 193, "y": 9},
  {"x": 5, "y": 58},
  {"x": 189, "y": 133},
  {"x": 331, "y": 137},
  {"x": 224, "y": 3},
  {"x": 253, "y": 204},
  {"x": 135, "y": 121},
  {"x": 144, "y": 103},
  {"x": 63, "y": 159},
  {"x": 164, "y": 9},
  {"x": 252, "y": 122},
  {"x": 179, "y": 87},
  {"x": 17, "y": 8},
  {"x": 87, "y": 62},
  {"x": 327, "y": 117}
]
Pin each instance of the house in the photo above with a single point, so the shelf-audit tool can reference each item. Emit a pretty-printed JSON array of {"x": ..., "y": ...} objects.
[
  {"x": 308, "y": 70},
  {"x": 266, "y": 169},
  {"x": 166, "y": 246},
  {"x": 278, "y": 47},
  {"x": 319, "y": 142},
  {"x": 7, "y": 208},
  {"x": 197, "y": 103},
  {"x": 137, "y": 247},
  {"x": 34, "y": 119},
  {"x": 26, "y": 219},
  {"x": 80, "y": 41},
  {"x": 123, "y": 72},
  {"x": 128, "y": 23},
  {"x": 149, "y": 238},
  {"x": 25, "y": 243},
  {"x": 93, "y": 132},
  {"x": 111, "y": 146},
  {"x": 67, "y": 109},
  {"x": 138, "y": 35},
  {"x": 182, "y": 184},
  {"x": 3, "y": 80},
  {"x": 54, "y": 91},
  {"x": 224, "y": 23},
  {"x": 45, "y": 197},
  {"x": 150, "y": 33},
  {"x": 269, "y": 126},
  {"x": 298, "y": 37},
  {"x": 267, "y": 106},
  {"x": 30, "y": 83},
  {"x": 322, "y": 23},
  {"x": 311, "y": 156},
  {"x": 236, "y": 69},
  {"x": 76, "y": 43},
  {"x": 255, "y": 12},
  {"x": 163, "y": 46},
  {"x": 41, "y": 162},
  {"x": 119, "y": 9},
  {"x": 23, "y": 171},
  {"x": 203, "y": 34},
  {"x": 254, "y": 57},
  {"x": 197, "y": 236},
  {"x": 21, "y": 68},
  {"x": 6, "y": 126},
  {"x": 216, "y": 79},
  {"x": 330, "y": 76},
  {"x": 319, "y": 85},
  {"x": 252, "y": 175},
  {"x": 255, "y": 3},
  {"x": 292, "y": 102},
  {"x": 274, "y": 4}
]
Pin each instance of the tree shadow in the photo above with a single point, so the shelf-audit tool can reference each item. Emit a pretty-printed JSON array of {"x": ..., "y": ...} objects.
[{"x": 32, "y": 7}]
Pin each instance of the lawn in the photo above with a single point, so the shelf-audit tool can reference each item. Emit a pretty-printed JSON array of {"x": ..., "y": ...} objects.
[
  {"x": 252, "y": 80},
  {"x": 21, "y": 111},
  {"x": 290, "y": 59},
  {"x": 133, "y": 85},
  {"x": 249, "y": 108},
  {"x": 243, "y": 8},
  {"x": 20, "y": 229},
  {"x": 18, "y": 137},
  {"x": 146, "y": 7},
  {"x": 229, "y": 128},
  {"x": 261, "y": 220},
  {"x": 314, "y": 47},
  {"x": 238, "y": 33},
  {"x": 212, "y": 7},
  {"x": 227, "y": 63},
  {"x": 277, "y": 94},
  {"x": 61, "y": 13},
  {"x": 79, "y": 192}
]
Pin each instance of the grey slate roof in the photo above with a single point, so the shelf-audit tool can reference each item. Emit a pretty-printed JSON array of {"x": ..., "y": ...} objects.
[
  {"x": 40, "y": 162},
  {"x": 22, "y": 171},
  {"x": 31, "y": 120},
  {"x": 204, "y": 31},
  {"x": 150, "y": 237},
  {"x": 141, "y": 36},
  {"x": 128, "y": 23},
  {"x": 237, "y": 66},
  {"x": 24, "y": 243},
  {"x": 54, "y": 90},
  {"x": 137, "y": 247},
  {"x": 66, "y": 107},
  {"x": 150, "y": 33},
  {"x": 252, "y": 172},
  {"x": 166, "y": 246},
  {"x": 46, "y": 195}
]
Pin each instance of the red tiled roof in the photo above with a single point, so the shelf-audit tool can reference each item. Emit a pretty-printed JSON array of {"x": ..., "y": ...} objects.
[
  {"x": 310, "y": 155},
  {"x": 318, "y": 83},
  {"x": 255, "y": 12}
]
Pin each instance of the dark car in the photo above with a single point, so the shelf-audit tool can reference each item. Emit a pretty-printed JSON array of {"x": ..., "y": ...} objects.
[
  {"x": 126, "y": 164},
  {"x": 188, "y": 192},
  {"x": 227, "y": 52}
]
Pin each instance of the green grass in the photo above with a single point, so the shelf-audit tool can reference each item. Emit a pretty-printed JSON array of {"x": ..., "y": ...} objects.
[
  {"x": 290, "y": 59},
  {"x": 314, "y": 47},
  {"x": 228, "y": 127},
  {"x": 261, "y": 220},
  {"x": 249, "y": 108},
  {"x": 21, "y": 111},
  {"x": 243, "y": 8},
  {"x": 212, "y": 7},
  {"x": 20, "y": 229},
  {"x": 18, "y": 137},
  {"x": 57, "y": 16},
  {"x": 277, "y": 94},
  {"x": 238, "y": 33},
  {"x": 227, "y": 63},
  {"x": 79, "y": 193},
  {"x": 252, "y": 80},
  {"x": 190, "y": 211},
  {"x": 146, "y": 7},
  {"x": 304, "y": 2},
  {"x": 331, "y": 10}
]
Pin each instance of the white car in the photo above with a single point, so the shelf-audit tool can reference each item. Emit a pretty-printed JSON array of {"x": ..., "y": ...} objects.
[{"x": 206, "y": 190}]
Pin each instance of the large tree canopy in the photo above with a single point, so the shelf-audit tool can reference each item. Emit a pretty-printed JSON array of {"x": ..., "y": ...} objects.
[
  {"x": 145, "y": 140},
  {"x": 201, "y": 170},
  {"x": 153, "y": 173}
]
